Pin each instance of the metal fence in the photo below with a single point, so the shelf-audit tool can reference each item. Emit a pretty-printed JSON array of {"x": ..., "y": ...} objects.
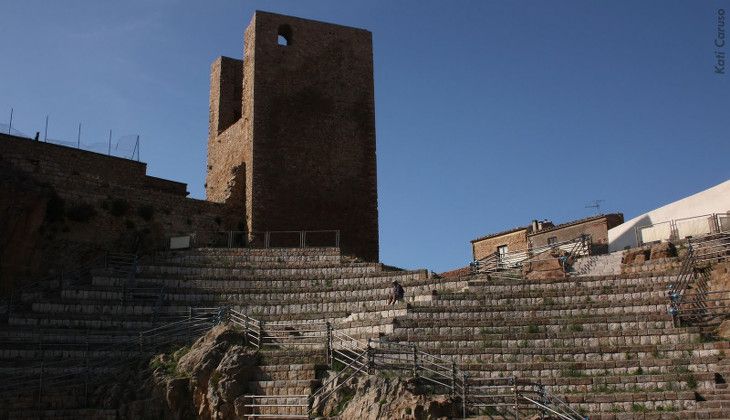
[
  {"x": 352, "y": 357},
  {"x": 687, "y": 227},
  {"x": 124, "y": 146},
  {"x": 266, "y": 239}
]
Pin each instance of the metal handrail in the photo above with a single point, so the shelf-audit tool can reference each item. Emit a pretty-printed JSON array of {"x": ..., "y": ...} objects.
[
  {"x": 377, "y": 355},
  {"x": 495, "y": 262},
  {"x": 259, "y": 239},
  {"x": 682, "y": 306},
  {"x": 144, "y": 344}
]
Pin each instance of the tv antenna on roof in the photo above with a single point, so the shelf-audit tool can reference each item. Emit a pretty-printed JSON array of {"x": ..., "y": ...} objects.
[{"x": 595, "y": 204}]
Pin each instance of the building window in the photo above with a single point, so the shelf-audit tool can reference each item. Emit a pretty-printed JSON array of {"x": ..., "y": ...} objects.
[
  {"x": 284, "y": 37},
  {"x": 552, "y": 240},
  {"x": 502, "y": 250}
]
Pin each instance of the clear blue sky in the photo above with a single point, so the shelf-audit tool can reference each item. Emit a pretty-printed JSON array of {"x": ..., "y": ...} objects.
[{"x": 488, "y": 113}]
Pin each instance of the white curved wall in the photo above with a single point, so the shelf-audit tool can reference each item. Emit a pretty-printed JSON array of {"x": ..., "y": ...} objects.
[{"x": 711, "y": 200}]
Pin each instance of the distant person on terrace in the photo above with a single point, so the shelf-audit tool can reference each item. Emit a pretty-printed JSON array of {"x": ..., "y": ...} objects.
[{"x": 396, "y": 294}]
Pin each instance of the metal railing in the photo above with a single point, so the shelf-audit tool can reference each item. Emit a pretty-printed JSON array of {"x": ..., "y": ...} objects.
[
  {"x": 118, "y": 264},
  {"x": 266, "y": 239},
  {"x": 512, "y": 397},
  {"x": 677, "y": 229},
  {"x": 53, "y": 374},
  {"x": 507, "y": 265},
  {"x": 690, "y": 299},
  {"x": 276, "y": 406},
  {"x": 126, "y": 146},
  {"x": 351, "y": 357}
]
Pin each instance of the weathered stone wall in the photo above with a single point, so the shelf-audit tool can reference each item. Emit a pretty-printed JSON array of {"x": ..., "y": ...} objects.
[
  {"x": 60, "y": 205},
  {"x": 306, "y": 137},
  {"x": 228, "y": 147},
  {"x": 515, "y": 241}
]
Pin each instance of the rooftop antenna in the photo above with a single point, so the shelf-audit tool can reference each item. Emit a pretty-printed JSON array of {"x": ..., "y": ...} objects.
[{"x": 595, "y": 204}]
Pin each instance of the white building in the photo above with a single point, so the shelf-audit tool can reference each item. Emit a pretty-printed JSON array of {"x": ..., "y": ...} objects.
[{"x": 705, "y": 212}]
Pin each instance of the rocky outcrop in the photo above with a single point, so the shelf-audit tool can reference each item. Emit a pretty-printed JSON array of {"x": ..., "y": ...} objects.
[
  {"x": 546, "y": 265},
  {"x": 203, "y": 382},
  {"x": 637, "y": 255},
  {"x": 662, "y": 250},
  {"x": 375, "y": 397}
]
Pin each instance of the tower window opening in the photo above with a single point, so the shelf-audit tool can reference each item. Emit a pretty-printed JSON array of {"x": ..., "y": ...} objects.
[{"x": 284, "y": 37}]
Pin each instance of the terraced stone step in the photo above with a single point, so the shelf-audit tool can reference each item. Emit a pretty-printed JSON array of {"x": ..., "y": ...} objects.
[
  {"x": 484, "y": 318},
  {"x": 88, "y": 321},
  {"x": 666, "y": 413},
  {"x": 284, "y": 387},
  {"x": 206, "y": 258},
  {"x": 243, "y": 252},
  {"x": 195, "y": 297},
  {"x": 176, "y": 282},
  {"x": 536, "y": 298},
  {"x": 61, "y": 352},
  {"x": 586, "y": 340},
  {"x": 541, "y": 311},
  {"x": 569, "y": 283},
  {"x": 470, "y": 328},
  {"x": 164, "y": 271},
  {"x": 607, "y": 384},
  {"x": 593, "y": 293},
  {"x": 64, "y": 414},
  {"x": 301, "y": 372},
  {"x": 568, "y": 354}
]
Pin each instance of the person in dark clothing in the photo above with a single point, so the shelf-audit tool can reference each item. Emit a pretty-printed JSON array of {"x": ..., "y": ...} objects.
[{"x": 396, "y": 294}]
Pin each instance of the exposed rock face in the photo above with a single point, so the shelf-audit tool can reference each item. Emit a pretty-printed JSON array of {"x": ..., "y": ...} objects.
[
  {"x": 203, "y": 383},
  {"x": 662, "y": 250},
  {"x": 375, "y": 397},
  {"x": 720, "y": 282},
  {"x": 636, "y": 255},
  {"x": 545, "y": 266},
  {"x": 21, "y": 219}
]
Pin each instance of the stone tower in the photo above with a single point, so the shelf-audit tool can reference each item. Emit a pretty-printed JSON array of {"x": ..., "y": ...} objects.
[{"x": 292, "y": 131}]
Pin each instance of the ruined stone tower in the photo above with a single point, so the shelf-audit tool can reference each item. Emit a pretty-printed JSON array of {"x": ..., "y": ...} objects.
[{"x": 292, "y": 131}]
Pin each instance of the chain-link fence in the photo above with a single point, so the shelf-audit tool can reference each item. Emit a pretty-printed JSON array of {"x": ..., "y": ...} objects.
[{"x": 124, "y": 146}]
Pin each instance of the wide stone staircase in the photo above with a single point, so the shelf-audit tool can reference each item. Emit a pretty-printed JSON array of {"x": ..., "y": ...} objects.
[
  {"x": 603, "y": 343},
  {"x": 68, "y": 332}
]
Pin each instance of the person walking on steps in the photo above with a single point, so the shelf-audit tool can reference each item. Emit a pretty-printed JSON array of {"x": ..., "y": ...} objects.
[{"x": 396, "y": 294}]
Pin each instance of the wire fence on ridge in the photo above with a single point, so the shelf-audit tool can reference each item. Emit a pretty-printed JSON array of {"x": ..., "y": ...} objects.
[{"x": 125, "y": 146}]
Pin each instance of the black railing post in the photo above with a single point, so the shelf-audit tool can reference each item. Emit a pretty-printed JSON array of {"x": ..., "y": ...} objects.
[
  {"x": 371, "y": 357},
  {"x": 40, "y": 383},
  {"x": 543, "y": 400},
  {"x": 261, "y": 333},
  {"x": 453, "y": 378},
  {"x": 245, "y": 332},
  {"x": 464, "y": 393},
  {"x": 513, "y": 382},
  {"x": 330, "y": 350},
  {"x": 415, "y": 361},
  {"x": 86, "y": 371}
]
